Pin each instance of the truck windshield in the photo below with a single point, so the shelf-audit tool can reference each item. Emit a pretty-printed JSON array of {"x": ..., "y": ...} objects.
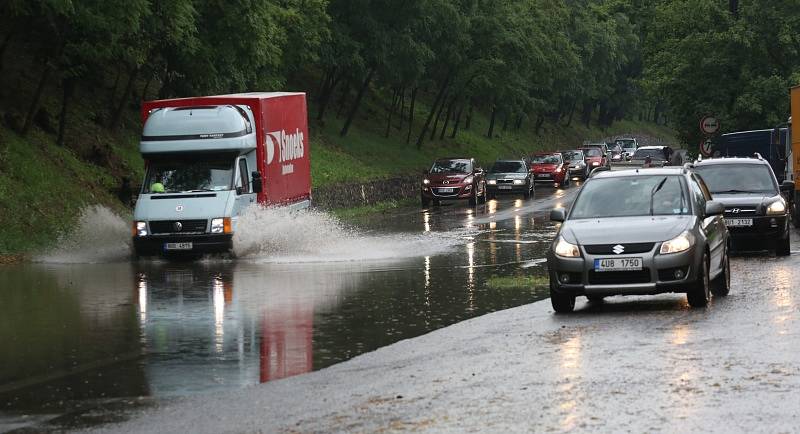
[{"x": 187, "y": 175}]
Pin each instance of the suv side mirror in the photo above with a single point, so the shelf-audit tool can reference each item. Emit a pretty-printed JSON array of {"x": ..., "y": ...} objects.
[
  {"x": 714, "y": 208},
  {"x": 258, "y": 185},
  {"x": 787, "y": 186},
  {"x": 558, "y": 215}
]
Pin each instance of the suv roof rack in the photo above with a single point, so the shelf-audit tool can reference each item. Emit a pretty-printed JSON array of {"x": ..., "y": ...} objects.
[{"x": 757, "y": 155}]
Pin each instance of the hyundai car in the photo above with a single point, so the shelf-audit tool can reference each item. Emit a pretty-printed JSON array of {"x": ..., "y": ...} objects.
[
  {"x": 756, "y": 213},
  {"x": 675, "y": 239},
  {"x": 652, "y": 156},
  {"x": 510, "y": 177},
  {"x": 453, "y": 179}
]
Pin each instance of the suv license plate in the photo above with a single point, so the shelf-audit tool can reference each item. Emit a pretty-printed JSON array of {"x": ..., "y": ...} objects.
[
  {"x": 618, "y": 264},
  {"x": 504, "y": 187},
  {"x": 446, "y": 190},
  {"x": 734, "y": 223},
  {"x": 178, "y": 246}
]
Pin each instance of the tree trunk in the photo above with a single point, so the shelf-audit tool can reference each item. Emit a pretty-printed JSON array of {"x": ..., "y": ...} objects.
[
  {"x": 571, "y": 112},
  {"x": 357, "y": 102},
  {"x": 492, "y": 119},
  {"x": 4, "y": 46},
  {"x": 123, "y": 102},
  {"x": 468, "y": 122},
  {"x": 438, "y": 116},
  {"x": 457, "y": 122},
  {"x": 411, "y": 113},
  {"x": 518, "y": 123},
  {"x": 343, "y": 97},
  {"x": 68, "y": 85},
  {"x": 113, "y": 96},
  {"x": 402, "y": 110},
  {"x": 395, "y": 101},
  {"x": 146, "y": 88},
  {"x": 447, "y": 116},
  {"x": 539, "y": 123},
  {"x": 438, "y": 100},
  {"x": 37, "y": 96},
  {"x": 505, "y": 121},
  {"x": 326, "y": 93},
  {"x": 586, "y": 113}
]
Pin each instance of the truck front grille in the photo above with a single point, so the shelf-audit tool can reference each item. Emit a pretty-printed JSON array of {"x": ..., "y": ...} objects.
[{"x": 178, "y": 226}]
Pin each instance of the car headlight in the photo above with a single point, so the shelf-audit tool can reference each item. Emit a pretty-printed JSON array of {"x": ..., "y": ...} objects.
[
  {"x": 565, "y": 249},
  {"x": 777, "y": 208},
  {"x": 492, "y": 182},
  {"x": 681, "y": 243},
  {"x": 519, "y": 181},
  {"x": 595, "y": 163},
  {"x": 140, "y": 229},
  {"x": 426, "y": 181},
  {"x": 221, "y": 226},
  {"x": 468, "y": 180}
]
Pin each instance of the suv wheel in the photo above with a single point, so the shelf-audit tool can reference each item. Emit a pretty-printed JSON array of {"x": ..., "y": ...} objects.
[
  {"x": 700, "y": 292},
  {"x": 721, "y": 285},
  {"x": 783, "y": 246},
  {"x": 562, "y": 303}
]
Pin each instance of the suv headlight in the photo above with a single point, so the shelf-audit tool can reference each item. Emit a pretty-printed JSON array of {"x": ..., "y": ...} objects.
[
  {"x": 519, "y": 181},
  {"x": 492, "y": 182},
  {"x": 565, "y": 249},
  {"x": 468, "y": 180},
  {"x": 777, "y": 208},
  {"x": 426, "y": 181},
  {"x": 140, "y": 229},
  {"x": 221, "y": 226},
  {"x": 681, "y": 243}
]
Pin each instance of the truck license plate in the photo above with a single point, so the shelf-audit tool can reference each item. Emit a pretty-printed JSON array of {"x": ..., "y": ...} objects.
[
  {"x": 734, "y": 223},
  {"x": 178, "y": 246},
  {"x": 618, "y": 264}
]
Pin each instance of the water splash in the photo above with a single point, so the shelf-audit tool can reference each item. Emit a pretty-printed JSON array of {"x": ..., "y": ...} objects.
[
  {"x": 100, "y": 236},
  {"x": 280, "y": 235}
]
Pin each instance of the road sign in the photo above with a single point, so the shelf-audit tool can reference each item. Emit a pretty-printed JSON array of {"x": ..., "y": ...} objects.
[
  {"x": 709, "y": 125},
  {"x": 705, "y": 148}
]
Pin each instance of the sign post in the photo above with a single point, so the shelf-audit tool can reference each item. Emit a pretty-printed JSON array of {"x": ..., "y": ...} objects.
[{"x": 709, "y": 125}]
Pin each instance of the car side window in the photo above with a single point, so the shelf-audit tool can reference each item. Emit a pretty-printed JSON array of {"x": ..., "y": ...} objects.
[
  {"x": 243, "y": 173},
  {"x": 698, "y": 197}
]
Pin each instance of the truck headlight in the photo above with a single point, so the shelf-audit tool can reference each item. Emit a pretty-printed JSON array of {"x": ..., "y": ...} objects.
[
  {"x": 492, "y": 182},
  {"x": 140, "y": 229},
  {"x": 565, "y": 249},
  {"x": 777, "y": 208},
  {"x": 519, "y": 181},
  {"x": 221, "y": 226},
  {"x": 681, "y": 243}
]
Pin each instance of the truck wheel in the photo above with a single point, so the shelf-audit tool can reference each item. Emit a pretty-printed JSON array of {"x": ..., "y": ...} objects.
[
  {"x": 562, "y": 303},
  {"x": 721, "y": 286},
  {"x": 783, "y": 246},
  {"x": 700, "y": 292},
  {"x": 424, "y": 201}
]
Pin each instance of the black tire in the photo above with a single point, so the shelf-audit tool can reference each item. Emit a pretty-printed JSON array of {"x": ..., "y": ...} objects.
[
  {"x": 700, "y": 292},
  {"x": 528, "y": 193},
  {"x": 562, "y": 303},
  {"x": 473, "y": 200},
  {"x": 783, "y": 246},
  {"x": 796, "y": 215},
  {"x": 596, "y": 299},
  {"x": 721, "y": 285},
  {"x": 424, "y": 201}
]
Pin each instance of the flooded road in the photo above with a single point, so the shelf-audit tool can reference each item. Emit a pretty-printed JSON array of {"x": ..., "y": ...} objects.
[{"x": 77, "y": 337}]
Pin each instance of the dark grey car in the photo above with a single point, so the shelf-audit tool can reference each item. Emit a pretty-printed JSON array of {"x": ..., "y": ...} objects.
[
  {"x": 510, "y": 177},
  {"x": 664, "y": 235}
]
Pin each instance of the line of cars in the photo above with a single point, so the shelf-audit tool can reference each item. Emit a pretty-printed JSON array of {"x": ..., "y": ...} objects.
[{"x": 680, "y": 223}]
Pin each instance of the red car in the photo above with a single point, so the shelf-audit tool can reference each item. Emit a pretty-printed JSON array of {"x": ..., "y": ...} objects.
[
  {"x": 453, "y": 179},
  {"x": 550, "y": 167},
  {"x": 594, "y": 158}
]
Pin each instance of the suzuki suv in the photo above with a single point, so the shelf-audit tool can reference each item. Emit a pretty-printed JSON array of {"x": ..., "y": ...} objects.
[{"x": 755, "y": 212}]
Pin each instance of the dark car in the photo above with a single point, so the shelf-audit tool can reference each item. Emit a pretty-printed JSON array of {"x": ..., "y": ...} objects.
[
  {"x": 510, "y": 176},
  {"x": 674, "y": 239},
  {"x": 549, "y": 167},
  {"x": 453, "y": 179},
  {"x": 576, "y": 163},
  {"x": 653, "y": 156},
  {"x": 594, "y": 158},
  {"x": 755, "y": 212}
]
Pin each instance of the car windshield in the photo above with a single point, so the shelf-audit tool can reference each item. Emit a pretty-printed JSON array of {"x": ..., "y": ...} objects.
[
  {"x": 602, "y": 197},
  {"x": 652, "y": 153},
  {"x": 594, "y": 152},
  {"x": 626, "y": 143},
  {"x": 509, "y": 167},
  {"x": 738, "y": 178},
  {"x": 176, "y": 175},
  {"x": 572, "y": 155},
  {"x": 452, "y": 166},
  {"x": 545, "y": 159}
]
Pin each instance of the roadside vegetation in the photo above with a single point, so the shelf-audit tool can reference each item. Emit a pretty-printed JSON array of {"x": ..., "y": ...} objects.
[{"x": 517, "y": 282}]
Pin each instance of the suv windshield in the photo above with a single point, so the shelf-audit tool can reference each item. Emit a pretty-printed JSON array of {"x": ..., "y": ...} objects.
[
  {"x": 545, "y": 159},
  {"x": 652, "y": 153},
  {"x": 175, "y": 175},
  {"x": 452, "y": 166},
  {"x": 509, "y": 167},
  {"x": 593, "y": 152},
  {"x": 738, "y": 178},
  {"x": 602, "y": 198},
  {"x": 626, "y": 143}
]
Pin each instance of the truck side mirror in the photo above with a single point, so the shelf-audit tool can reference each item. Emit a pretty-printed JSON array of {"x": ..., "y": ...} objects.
[{"x": 258, "y": 186}]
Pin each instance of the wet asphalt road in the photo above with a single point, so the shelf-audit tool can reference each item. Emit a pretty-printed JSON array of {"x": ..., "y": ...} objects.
[
  {"x": 635, "y": 364},
  {"x": 85, "y": 343}
]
